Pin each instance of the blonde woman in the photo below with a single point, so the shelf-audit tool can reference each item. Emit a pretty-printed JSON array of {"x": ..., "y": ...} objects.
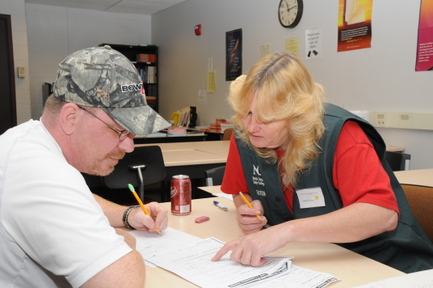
[{"x": 313, "y": 172}]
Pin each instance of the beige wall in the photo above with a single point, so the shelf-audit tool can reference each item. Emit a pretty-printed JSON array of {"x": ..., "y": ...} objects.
[{"x": 55, "y": 32}]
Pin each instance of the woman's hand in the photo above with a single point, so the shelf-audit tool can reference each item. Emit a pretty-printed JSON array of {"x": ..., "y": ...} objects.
[
  {"x": 249, "y": 219},
  {"x": 251, "y": 249}
]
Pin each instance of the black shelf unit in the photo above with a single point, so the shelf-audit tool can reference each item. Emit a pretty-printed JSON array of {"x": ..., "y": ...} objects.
[{"x": 145, "y": 59}]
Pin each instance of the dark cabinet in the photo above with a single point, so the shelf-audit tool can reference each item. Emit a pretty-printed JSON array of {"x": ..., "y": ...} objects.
[{"x": 145, "y": 59}]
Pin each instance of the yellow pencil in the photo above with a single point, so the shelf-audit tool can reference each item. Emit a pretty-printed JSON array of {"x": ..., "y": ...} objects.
[
  {"x": 248, "y": 203},
  {"x": 141, "y": 204}
]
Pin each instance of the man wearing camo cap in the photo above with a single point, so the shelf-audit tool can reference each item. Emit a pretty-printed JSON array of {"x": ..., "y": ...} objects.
[{"x": 53, "y": 231}]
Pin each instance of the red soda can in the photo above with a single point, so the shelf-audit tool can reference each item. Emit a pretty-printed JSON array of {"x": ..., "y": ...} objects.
[{"x": 180, "y": 194}]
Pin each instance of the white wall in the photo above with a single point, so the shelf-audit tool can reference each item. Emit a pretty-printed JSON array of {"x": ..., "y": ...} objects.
[
  {"x": 381, "y": 78},
  {"x": 16, "y": 9},
  {"x": 55, "y": 32}
]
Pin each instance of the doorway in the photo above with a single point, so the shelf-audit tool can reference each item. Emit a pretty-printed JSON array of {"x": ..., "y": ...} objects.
[{"x": 8, "y": 115}]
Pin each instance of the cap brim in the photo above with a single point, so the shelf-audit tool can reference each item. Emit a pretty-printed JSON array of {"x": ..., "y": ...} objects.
[{"x": 140, "y": 120}]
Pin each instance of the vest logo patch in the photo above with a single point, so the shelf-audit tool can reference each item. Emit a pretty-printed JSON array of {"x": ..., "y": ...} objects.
[
  {"x": 257, "y": 177},
  {"x": 256, "y": 170},
  {"x": 258, "y": 181},
  {"x": 261, "y": 193}
]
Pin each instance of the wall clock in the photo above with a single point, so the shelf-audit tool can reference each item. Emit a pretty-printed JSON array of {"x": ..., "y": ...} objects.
[{"x": 290, "y": 12}]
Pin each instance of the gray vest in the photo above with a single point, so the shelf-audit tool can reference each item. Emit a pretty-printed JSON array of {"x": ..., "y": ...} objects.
[{"x": 407, "y": 248}]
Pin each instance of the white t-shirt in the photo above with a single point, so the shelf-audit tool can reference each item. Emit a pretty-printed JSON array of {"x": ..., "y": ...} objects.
[{"x": 52, "y": 231}]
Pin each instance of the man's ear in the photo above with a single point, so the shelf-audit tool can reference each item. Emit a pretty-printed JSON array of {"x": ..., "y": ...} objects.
[{"x": 69, "y": 115}]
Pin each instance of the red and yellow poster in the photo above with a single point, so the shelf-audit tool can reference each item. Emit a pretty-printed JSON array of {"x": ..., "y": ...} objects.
[
  {"x": 424, "y": 54},
  {"x": 354, "y": 24}
]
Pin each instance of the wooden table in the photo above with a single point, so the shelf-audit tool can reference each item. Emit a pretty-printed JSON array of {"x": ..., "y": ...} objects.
[
  {"x": 353, "y": 269},
  {"x": 192, "y": 158},
  {"x": 394, "y": 149},
  {"x": 166, "y": 138},
  {"x": 193, "y": 153},
  {"x": 422, "y": 177}
]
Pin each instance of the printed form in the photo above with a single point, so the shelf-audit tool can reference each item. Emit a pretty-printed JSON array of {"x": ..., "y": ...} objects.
[{"x": 191, "y": 260}]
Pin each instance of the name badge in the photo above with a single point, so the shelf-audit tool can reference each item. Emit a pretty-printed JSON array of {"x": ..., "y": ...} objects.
[{"x": 311, "y": 197}]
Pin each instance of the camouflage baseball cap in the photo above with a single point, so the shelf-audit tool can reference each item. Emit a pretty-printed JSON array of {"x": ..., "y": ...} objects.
[{"x": 104, "y": 78}]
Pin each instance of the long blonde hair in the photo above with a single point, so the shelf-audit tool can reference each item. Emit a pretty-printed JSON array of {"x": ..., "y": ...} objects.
[{"x": 285, "y": 91}]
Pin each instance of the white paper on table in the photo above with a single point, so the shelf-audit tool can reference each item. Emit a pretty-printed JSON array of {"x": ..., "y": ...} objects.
[
  {"x": 299, "y": 277},
  {"x": 193, "y": 263},
  {"x": 149, "y": 244},
  {"x": 224, "y": 195},
  {"x": 421, "y": 279}
]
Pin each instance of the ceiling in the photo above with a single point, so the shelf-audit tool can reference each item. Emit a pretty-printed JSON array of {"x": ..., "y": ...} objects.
[{"x": 143, "y": 7}]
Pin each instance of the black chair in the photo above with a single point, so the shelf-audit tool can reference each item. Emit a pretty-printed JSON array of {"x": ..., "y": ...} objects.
[
  {"x": 215, "y": 175},
  {"x": 397, "y": 160},
  {"x": 143, "y": 166}
]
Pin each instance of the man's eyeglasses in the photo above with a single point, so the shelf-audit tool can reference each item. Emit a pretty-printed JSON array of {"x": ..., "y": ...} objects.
[{"x": 123, "y": 134}]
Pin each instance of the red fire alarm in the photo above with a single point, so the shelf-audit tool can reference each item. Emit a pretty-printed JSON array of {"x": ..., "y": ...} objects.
[{"x": 197, "y": 29}]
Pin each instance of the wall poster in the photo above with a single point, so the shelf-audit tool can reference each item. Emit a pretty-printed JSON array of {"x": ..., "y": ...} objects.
[
  {"x": 354, "y": 24},
  {"x": 233, "y": 54},
  {"x": 424, "y": 53},
  {"x": 313, "y": 44}
]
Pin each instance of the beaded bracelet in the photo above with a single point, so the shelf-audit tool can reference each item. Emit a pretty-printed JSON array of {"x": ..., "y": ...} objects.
[{"x": 125, "y": 216}]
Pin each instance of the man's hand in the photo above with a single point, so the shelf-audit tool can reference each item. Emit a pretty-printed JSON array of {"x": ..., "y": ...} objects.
[{"x": 156, "y": 221}]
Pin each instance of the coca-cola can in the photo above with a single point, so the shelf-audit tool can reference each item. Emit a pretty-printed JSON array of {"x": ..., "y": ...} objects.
[{"x": 180, "y": 194}]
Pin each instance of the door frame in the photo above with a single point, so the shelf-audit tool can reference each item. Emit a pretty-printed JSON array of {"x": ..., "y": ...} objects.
[{"x": 8, "y": 107}]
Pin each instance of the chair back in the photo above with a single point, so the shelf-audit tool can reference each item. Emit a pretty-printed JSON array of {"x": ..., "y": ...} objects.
[
  {"x": 227, "y": 133},
  {"x": 143, "y": 166},
  {"x": 215, "y": 175},
  {"x": 420, "y": 199},
  {"x": 397, "y": 160}
]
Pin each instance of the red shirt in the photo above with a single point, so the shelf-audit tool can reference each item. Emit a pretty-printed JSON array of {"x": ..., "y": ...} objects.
[{"x": 357, "y": 172}]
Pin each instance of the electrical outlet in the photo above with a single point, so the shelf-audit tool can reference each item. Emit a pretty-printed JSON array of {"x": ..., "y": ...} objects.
[
  {"x": 405, "y": 120},
  {"x": 202, "y": 96},
  {"x": 21, "y": 71},
  {"x": 404, "y": 117},
  {"x": 400, "y": 120},
  {"x": 379, "y": 119}
]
